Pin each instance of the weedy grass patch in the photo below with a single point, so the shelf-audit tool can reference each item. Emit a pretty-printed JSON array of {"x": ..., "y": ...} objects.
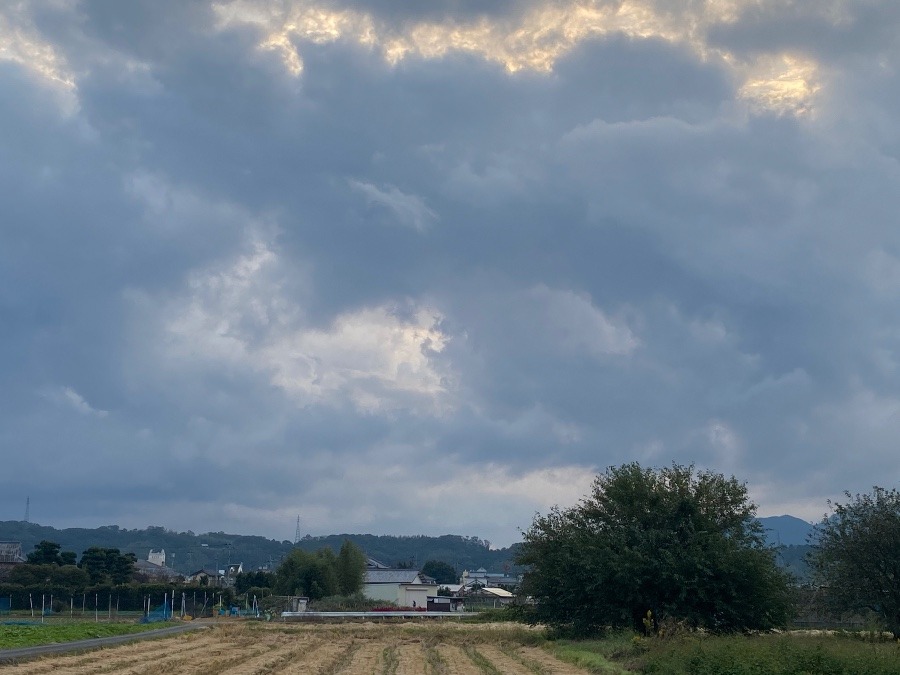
[
  {"x": 774, "y": 655},
  {"x": 31, "y": 635},
  {"x": 697, "y": 654},
  {"x": 591, "y": 655}
]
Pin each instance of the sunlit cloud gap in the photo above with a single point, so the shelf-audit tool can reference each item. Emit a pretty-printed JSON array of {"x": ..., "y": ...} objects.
[
  {"x": 784, "y": 83},
  {"x": 20, "y": 43}
]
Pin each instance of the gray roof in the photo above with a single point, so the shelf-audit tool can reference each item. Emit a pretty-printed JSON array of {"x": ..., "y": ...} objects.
[
  {"x": 383, "y": 576},
  {"x": 152, "y": 569},
  {"x": 11, "y": 552}
]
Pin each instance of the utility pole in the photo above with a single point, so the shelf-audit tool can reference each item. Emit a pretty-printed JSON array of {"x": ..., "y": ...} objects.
[{"x": 28, "y": 509}]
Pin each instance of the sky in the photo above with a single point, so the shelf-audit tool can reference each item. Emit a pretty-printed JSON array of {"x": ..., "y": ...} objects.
[{"x": 403, "y": 267}]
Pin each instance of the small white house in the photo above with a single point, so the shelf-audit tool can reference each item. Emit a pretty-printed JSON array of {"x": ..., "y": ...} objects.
[
  {"x": 405, "y": 588},
  {"x": 157, "y": 557}
]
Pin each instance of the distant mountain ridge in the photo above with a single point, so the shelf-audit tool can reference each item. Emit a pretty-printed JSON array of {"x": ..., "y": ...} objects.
[
  {"x": 787, "y": 530},
  {"x": 187, "y": 552}
]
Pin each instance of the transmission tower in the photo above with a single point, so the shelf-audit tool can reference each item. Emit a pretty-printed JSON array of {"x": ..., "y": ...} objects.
[
  {"x": 297, "y": 532},
  {"x": 27, "y": 508}
]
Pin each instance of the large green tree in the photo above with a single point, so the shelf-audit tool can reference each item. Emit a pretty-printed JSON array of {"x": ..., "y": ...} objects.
[
  {"x": 443, "y": 573},
  {"x": 244, "y": 581},
  {"x": 48, "y": 553},
  {"x": 350, "y": 568},
  {"x": 310, "y": 574},
  {"x": 107, "y": 565},
  {"x": 67, "y": 576},
  {"x": 678, "y": 543},
  {"x": 858, "y": 555}
]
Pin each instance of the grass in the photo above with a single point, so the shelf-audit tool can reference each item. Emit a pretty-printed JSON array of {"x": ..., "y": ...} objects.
[
  {"x": 17, "y": 636},
  {"x": 775, "y": 655},
  {"x": 796, "y": 654},
  {"x": 588, "y": 655},
  {"x": 390, "y": 660}
]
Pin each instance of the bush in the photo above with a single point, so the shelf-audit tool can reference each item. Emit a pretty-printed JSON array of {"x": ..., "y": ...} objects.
[{"x": 345, "y": 603}]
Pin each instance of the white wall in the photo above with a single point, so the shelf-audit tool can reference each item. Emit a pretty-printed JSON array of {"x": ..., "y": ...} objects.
[{"x": 386, "y": 592}]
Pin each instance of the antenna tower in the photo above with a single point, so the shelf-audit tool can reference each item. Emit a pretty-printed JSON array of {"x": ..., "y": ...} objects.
[
  {"x": 27, "y": 508},
  {"x": 297, "y": 532}
]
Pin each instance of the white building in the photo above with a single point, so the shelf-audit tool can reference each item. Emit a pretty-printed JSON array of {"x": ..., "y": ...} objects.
[
  {"x": 157, "y": 557},
  {"x": 404, "y": 588}
]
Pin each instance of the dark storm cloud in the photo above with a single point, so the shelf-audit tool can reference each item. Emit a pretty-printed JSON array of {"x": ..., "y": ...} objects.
[
  {"x": 313, "y": 290},
  {"x": 830, "y": 30}
]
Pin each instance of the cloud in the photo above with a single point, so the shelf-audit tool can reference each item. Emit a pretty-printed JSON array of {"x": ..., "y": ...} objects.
[
  {"x": 66, "y": 396},
  {"x": 406, "y": 209},
  {"x": 238, "y": 315},
  {"x": 535, "y": 36},
  {"x": 334, "y": 255}
]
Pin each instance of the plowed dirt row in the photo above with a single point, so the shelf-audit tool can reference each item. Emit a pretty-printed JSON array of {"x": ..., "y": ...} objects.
[
  {"x": 458, "y": 663},
  {"x": 552, "y": 665},
  {"x": 103, "y": 659},
  {"x": 320, "y": 660},
  {"x": 274, "y": 656},
  {"x": 503, "y": 662},
  {"x": 322, "y": 649},
  {"x": 366, "y": 660},
  {"x": 410, "y": 659}
]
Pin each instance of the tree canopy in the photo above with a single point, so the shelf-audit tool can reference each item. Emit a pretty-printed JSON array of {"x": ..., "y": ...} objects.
[
  {"x": 858, "y": 555},
  {"x": 107, "y": 565},
  {"x": 48, "y": 553},
  {"x": 321, "y": 574},
  {"x": 681, "y": 544},
  {"x": 351, "y": 568},
  {"x": 442, "y": 572}
]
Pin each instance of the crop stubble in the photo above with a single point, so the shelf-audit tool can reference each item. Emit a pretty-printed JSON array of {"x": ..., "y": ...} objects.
[{"x": 347, "y": 649}]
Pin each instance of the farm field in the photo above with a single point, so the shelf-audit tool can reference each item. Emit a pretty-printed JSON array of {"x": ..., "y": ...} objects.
[
  {"x": 437, "y": 648},
  {"x": 350, "y": 648}
]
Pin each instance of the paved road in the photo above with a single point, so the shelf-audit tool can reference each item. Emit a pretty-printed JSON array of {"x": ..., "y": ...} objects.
[{"x": 25, "y": 653}]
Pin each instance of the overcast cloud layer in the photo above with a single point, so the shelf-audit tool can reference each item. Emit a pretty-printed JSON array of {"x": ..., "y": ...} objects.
[{"x": 426, "y": 267}]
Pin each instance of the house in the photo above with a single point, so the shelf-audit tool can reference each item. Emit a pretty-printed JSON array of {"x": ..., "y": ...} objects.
[
  {"x": 10, "y": 556},
  {"x": 157, "y": 557},
  {"x": 155, "y": 572},
  {"x": 404, "y": 588},
  {"x": 481, "y": 577},
  {"x": 486, "y": 596},
  {"x": 207, "y": 578}
]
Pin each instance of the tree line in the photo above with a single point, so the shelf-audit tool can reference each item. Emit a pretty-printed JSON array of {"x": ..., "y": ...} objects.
[
  {"x": 47, "y": 564},
  {"x": 651, "y": 548},
  {"x": 316, "y": 575}
]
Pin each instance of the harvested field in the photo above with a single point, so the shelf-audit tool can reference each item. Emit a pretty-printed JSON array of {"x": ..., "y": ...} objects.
[{"x": 320, "y": 649}]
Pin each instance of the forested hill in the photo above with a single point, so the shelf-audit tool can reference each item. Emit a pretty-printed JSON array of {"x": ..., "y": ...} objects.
[{"x": 214, "y": 549}]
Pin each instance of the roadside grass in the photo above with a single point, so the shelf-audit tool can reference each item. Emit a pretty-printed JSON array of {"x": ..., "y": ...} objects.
[
  {"x": 844, "y": 654},
  {"x": 793, "y": 654},
  {"x": 612, "y": 654},
  {"x": 17, "y": 636}
]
